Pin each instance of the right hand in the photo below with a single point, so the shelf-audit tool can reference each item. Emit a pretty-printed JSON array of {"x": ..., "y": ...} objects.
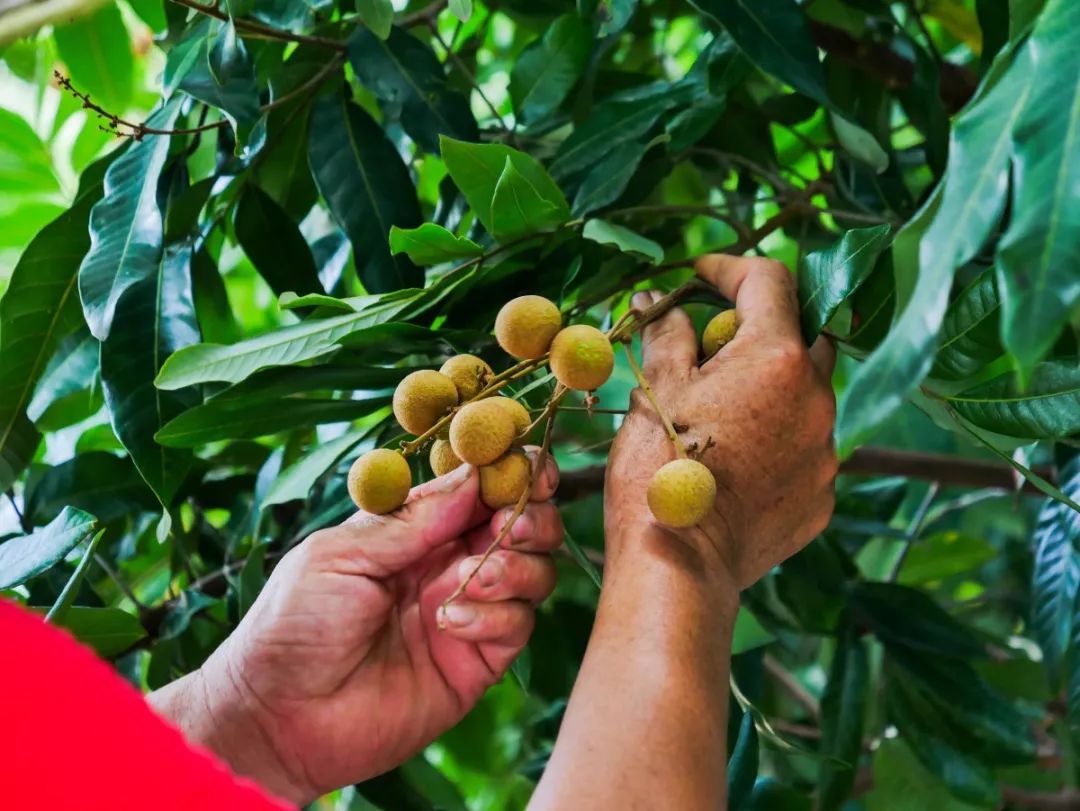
[{"x": 764, "y": 402}]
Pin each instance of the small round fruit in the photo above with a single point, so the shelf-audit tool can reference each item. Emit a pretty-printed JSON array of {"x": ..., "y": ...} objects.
[
  {"x": 481, "y": 432},
  {"x": 681, "y": 493},
  {"x": 422, "y": 399},
  {"x": 518, "y": 413},
  {"x": 525, "y": 326},
  {"x": 503, "y": 481},
  {"x": 442, "y": 458},
  {"x": 719, "y": 332},
  {"x": 379, "y": 481},
  {"x": 582, "y": 357},
  {"x": 469, "y": 373}
]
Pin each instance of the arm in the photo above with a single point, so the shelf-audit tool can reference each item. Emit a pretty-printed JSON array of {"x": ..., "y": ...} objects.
[{"x": 646, "y": 724}]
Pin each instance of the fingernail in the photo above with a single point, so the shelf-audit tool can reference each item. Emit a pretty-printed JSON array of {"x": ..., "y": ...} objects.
[
  {"x": 522, "y": 530},
  {"x": 639, "y": 301},
  {"x": 551, "y": 473},
  {"x": 459, "y": 615},
  {"x": 489, "y": 574},
  {"x": 454, "y": 479},
  {"x": 655, "y": 296}
]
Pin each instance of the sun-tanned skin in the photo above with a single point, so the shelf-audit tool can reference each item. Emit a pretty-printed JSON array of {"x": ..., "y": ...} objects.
[
  {"x": 645, "y": 726},
  {"x": 339, "y": 671}
]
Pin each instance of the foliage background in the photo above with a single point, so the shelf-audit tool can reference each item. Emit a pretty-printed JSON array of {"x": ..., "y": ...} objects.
[{"x": 195, "y": 344}]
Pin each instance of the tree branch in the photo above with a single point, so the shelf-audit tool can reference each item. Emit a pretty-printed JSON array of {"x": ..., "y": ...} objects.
[{"x": 257, "y": 29}]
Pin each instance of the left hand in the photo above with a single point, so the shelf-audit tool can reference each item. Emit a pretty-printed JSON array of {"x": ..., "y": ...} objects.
[{"x": 340, "y": 671}]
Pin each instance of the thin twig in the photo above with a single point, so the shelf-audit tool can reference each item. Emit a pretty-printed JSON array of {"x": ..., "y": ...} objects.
[
  {"x": 257, "y": 29},
  {"x": 680, "y": 449},
  {"x": 100, "y": 560},
  {"x": 18, "y": 513},
  {"x": 915, "y": 528},
  {"x": 463, "y": 69},
  {"x": 792, "y": 685}
]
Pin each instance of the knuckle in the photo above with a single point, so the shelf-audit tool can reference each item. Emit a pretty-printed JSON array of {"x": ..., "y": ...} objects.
[{"x": 791, "y": 359}]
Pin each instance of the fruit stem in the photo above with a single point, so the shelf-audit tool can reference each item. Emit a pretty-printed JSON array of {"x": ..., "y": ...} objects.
[
  {"x": 519, "y": 507},
  {"x": 556, "y": 398},
  {"x": 659, "y": 309},
  {"x": 680, "y": 449}
]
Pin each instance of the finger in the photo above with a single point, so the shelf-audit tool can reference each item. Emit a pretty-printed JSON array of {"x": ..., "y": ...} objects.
[
  {"x": 538, "y": 529},
  {"x": 507, "y": 623},
  {"x": 669, "y": 342},
  {"x": 823, "y": 355},
  {"x": 508, "y": 576},
  {"x": 544, "y": 485},
  {"x": 763, "y": 291}
]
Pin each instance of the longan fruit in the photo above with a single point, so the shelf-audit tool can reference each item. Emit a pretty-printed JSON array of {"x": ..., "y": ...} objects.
[
  {"x": 442, "y": 458},
  {"x": 525, "y": 326},
  {"x": 481, "y": 432},
  {"x": 423, "y": 398},
  {"x": 681, "y": 493},
  {"x": 503, "y": 481},
  {"x": 379, "y": 481},
  {"x": 518, "y": 413},
  {"x": 469, "y": 373},
  {"x": 719, "y": 332},
  {"x": 582, "y": 357}
]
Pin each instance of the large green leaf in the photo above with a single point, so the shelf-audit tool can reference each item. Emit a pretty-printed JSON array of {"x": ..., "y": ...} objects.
[
  {"x": 609, "y": 178},
  {"x": 73, "y": 368},
  {"x": 71, "y": 589},
  {"x": 155, "y": 317},
  {"x": 743, "y": 764},
  {"x": 624, "y": 239},
  {"x": 1040, "y": 251},
  {"x": 829, "y": 276},
  {"x": 547, "y": 70},
  {"x": 904, "y": 616},
  {"x": 108, "y": 631},
  {"x": 93, "y": 480},
  {"x": 969, "y": 331},
  {"x": 29, "y": 555},
  {"x": 297, "y": 480},
  {"x": 902, "y": 783},
  {"x": 476, "y": 169},
  {"x": 408, "y": 80},
  {"x": 367, "y": 187},
  {"x": 378, "y": 15},
  {"x": 957, "y": 222},
  {"x": 274, "y": 244},
  {"x": 431, "y": 244},
  {"x": 96, "y": 50},
  {"x": 126, "y": 228},
  {"x": 519, "y": 208},
  {"x": 25, "y": 163},
  {"x": 843, "y": 710},
  {"x": 1048, "y": 407}
]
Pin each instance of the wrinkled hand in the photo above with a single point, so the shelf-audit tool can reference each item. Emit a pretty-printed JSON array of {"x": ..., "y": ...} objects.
[
  {"x": 339, "y": 671},
  {"x": 765, "y": 404}
]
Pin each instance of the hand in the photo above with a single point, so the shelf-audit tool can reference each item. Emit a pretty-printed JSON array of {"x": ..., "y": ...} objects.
[
  {"x": 340, "y": 671},
  {"x": 762, "y": 409}
]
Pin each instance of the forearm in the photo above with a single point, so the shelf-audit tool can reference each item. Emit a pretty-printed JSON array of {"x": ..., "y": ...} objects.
[{"x": 646, "y": 723}]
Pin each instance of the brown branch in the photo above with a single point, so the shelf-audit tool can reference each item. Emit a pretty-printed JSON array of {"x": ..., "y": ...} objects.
[
  {"x": 424, "y": 16},
  {"x": 1068, "y": 799},
  {"x": 791, "y": 685},
  {"x": 257, "y": 29}
]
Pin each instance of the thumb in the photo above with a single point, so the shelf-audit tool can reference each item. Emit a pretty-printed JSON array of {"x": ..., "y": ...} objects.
[{"x": 435, "y": 512}]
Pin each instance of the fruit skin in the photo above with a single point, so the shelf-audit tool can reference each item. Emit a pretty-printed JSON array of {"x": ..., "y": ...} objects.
[
  {"x": 481, "y": 432},
  {"x": 442, "y": 458},
  {"x": 503, "y": 482},
  {"x": 469, "y": 373},
  {"x": 719, "y": 332},
  {"x": 582, "y": 357},
  {"x": 681, "y": 493},
  {"x": 525, "y": 326},
  {"x": 422, "y": 398},
  {"x": 379, "y": 481},
  {"x": 518, "y": 413}
]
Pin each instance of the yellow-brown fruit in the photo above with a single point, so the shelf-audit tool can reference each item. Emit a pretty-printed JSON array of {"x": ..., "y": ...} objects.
[
  {"x": 681, "y": 493},
  {"x": 503, "y": 482},
  {"x": 469, "y": 373},
  {"x": 442, "y": 458},
  {"x": 422, "y": 399},
  {"x": 525, "y": 326},
  {"x": 582, "y": 357},
  {"x": 719, "y": 332},
  {"x": 518, "y": 413},
  {"x": 379, "y": 481},
  {"x": 481, "y": 432}
]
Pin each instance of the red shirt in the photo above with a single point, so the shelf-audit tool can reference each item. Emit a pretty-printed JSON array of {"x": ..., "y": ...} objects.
[{"x": 74, "y": 735}]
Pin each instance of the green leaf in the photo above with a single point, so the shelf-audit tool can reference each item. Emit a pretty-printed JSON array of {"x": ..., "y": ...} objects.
[
  {"x": 1039, "y": 253},
  {"x": 26, "y": 166},
  {"x": 462, "y": 9},
  {"x": 860, "y": 144},
  {"x": 109, "y": 631},
  {"x": 25, "y": 557},
  {"x": 378, "y": 15},
  {"x": 905, "y": 616},
  {"x": 749, "y": 633},
  {"x": 367, "y": 188},
  {"x": 96, "y": 50},
  {"x": 695, "y": 122},
  {"x": 477, "y": 169},
  {"x": 228, "y": 57},
  {"x": 831, "y": 275},
  {"x": 431, "y": 244},
  {"x": 274, "y": 244},
  {"x": 151, "y": 12},
  {"x": 548, "y": 68},
  {"x": 742, "y": 767},
  {"x": 71, "y": 588},
  {"x": 609, "y": 178},
  {"x": 1049, "y": 407},
  {"x": 969, "y": 331},
  {"x": 582, "y": 559},
  {"x": 408, "y": 81},
  {"x": 154, "y": 318},
  {"x": 519, "y": 208},
  {"x": 282, "y": 172},
  {"x": 624, "y": 239},
  {"x": 93, "y": 480},
  {"x": 251, "y": 580},
  {"x": 843, "y": 711},
  {"x": 296, "y": 481},
  {"x": 942, "y": 555},
  {"x": 901, "y": 783},
  {"x": 957, "y": 220},
  {"x": 73, "y": 368},
  {"x": 126, "y": 229}
]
